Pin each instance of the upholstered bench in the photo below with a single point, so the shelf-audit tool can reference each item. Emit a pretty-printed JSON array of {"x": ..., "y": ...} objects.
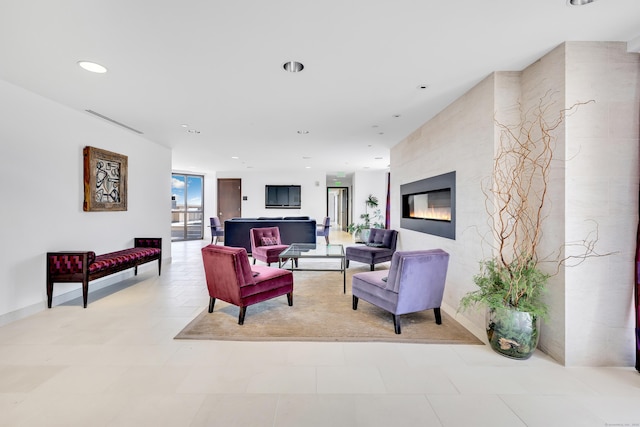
[{"x": 83, "y": 267}]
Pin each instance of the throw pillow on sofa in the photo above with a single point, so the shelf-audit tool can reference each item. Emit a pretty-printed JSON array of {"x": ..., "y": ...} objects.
[{"x": 269, "y": 241}]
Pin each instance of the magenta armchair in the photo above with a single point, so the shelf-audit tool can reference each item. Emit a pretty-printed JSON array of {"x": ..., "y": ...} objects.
[
  {"x": 266, "y": 244},
  {"x": 231, "y": 278},
  {"x": 415, "y": 282}
]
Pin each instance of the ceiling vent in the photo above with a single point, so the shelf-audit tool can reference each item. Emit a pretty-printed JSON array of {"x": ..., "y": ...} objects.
[{"x": 109, "y": 119}]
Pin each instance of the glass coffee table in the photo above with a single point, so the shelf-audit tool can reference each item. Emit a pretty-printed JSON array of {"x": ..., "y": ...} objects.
[{"x": 297, "y": 251}]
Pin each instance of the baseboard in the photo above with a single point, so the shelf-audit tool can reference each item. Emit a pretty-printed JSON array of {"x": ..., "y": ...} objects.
[
  {"x": 94, "y": 286},
  {"x": 480, "y": 333}
]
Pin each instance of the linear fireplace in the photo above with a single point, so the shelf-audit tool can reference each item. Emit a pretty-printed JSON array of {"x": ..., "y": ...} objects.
[{"x": 429, "y": 205}]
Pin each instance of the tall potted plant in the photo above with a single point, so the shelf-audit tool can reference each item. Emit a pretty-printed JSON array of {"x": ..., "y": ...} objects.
[
  {"x": 361, "y": 230},
  {"x": 511, "y": 283}
]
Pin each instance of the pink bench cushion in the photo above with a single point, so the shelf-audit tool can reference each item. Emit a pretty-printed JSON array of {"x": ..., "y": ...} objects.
[{"x": 113, "y": 259}]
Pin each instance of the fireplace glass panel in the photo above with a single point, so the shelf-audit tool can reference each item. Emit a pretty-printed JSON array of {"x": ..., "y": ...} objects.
[{"x": 433, "y": 205}]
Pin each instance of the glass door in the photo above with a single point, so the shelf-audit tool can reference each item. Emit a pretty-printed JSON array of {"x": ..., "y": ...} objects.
[{"x": 187, "y": 207}]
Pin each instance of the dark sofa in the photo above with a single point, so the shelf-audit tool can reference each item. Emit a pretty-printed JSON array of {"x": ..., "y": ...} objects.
[{"x": 292, "y": 230}]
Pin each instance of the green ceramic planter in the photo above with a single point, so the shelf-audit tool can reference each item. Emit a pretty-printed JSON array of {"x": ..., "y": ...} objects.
[{"x": 512, "y": 333}]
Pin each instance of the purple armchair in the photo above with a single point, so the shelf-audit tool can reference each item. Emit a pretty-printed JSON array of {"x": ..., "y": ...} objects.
[
  {"x": 379, "y": 248},
  {"x": 323, "y": 229},
  {"x": 231, "y": 278},
  {"x": 266, "y": 244},
  {"x": 216, "y": 229},
  {"x": 415, "y": 282}
]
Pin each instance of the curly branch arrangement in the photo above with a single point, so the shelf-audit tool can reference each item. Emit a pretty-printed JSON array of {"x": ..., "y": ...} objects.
[{"x": 516, "y": 197}]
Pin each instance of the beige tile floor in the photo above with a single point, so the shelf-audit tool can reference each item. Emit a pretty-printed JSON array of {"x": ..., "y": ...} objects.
[{"x": 116, "y": 364}]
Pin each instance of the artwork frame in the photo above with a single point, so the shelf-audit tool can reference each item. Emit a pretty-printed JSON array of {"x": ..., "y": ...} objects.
[{"x": 105, "y": 180}]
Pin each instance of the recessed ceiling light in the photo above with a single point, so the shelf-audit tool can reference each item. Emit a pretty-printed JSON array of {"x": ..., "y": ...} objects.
[
  {"x": 235, "y": 157},
  {"x": 293, "y": 66},
  {"x": 377, "y": 158},
  {"x": 396, "y": 115},
  {"x": 307, "y": 167},
  {"x": 423, "y": 86},
  {"x": 193, "y": 131},
  {"x": 92, "y": 66},
  {"x": 184, "y": 125},
  {"x": 580, "y": 2},
  {"x": 303, "y": 132},
  {"x": 306, "y": 157}
]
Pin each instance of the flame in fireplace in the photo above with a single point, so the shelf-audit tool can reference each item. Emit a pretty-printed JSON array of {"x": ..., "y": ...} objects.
[{"x": 443, "y": 214}]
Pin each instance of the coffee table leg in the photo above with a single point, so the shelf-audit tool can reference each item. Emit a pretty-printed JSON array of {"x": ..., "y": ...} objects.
[{"x": 344, "y": 278}]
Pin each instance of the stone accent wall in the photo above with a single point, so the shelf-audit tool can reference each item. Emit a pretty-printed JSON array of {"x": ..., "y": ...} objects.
[{"x": 594, "y": 181}]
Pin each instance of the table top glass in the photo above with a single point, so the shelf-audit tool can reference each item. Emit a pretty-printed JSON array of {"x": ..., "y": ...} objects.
[{"x": 311, "y": 250}]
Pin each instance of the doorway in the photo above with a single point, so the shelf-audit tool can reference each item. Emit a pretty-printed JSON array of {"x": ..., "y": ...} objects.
[
  {"x": 229, "y": 198},
  {"x": 338, "y": 207},
  {"x": 187, "y": 202}
]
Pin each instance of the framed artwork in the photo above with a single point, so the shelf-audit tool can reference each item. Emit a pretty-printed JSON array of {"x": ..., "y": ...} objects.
[{"x": 105, "y": 180}]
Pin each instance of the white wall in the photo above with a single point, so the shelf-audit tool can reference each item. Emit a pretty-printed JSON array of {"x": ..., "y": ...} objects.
[
  {"x": 365, "y": 183},
  {"x": 595, "y": 177},
  {"x": 313, "y": 192},
  {"x": 41, "y": 146}
]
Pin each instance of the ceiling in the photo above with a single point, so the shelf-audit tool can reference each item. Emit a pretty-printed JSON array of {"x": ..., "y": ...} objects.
[{"x": 374, "y": 70}]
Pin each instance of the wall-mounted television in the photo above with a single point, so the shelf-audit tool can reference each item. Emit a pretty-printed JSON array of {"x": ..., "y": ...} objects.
[{"x": 282, "y": 196}]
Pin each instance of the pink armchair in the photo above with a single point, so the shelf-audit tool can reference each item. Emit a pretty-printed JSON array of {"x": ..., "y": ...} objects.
[
  {"x": 266, "y": 244},
  {"x": 231, "y": 278}
]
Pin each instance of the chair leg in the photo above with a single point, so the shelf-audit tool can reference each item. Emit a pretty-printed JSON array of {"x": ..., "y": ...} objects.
[
  {"x": 347, "y": 263},
  {"x": 326, "y": 238},
  {"x": 372, "y": 267},
  {"x": 212, "y": 301},
  {"x": 290, "y": 299},
  {"x": 243, "y": 311},
  {"x": 436, "y": 311},
  {"x": 354, "y": 302},
  {"x": 214, "y": 239},
  {"x": 396, "y": 323},
  {"x": 254, "y": 261}
]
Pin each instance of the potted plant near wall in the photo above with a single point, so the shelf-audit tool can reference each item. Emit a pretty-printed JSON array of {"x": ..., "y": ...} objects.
[
  {"x": 511, "y": 283},
  {"x": 361, "y": 230}
]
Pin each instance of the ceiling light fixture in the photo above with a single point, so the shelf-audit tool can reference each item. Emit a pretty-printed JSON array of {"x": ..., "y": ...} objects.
[
  {"x": 293, "y": 66},
  {"x": 193, "y": 131},
  {"x": 580, "y": 2},
  {"x": 423, "y": 86},
  {"x": 303, "y": 132},
  {"x": 92, "y": 66}
]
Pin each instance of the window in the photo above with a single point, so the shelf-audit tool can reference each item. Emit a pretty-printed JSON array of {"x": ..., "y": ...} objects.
[{"x": 187, "y": 207}]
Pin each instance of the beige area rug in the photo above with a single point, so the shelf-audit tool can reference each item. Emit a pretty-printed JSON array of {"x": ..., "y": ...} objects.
[{"x": 322, "y": 312}]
